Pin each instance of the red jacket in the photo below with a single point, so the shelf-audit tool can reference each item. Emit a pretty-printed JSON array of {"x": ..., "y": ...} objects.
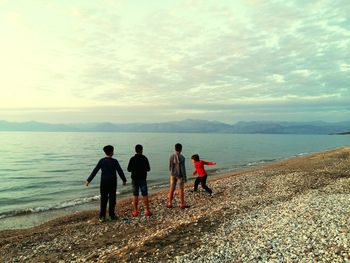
[{"x": 199, "y": 166}]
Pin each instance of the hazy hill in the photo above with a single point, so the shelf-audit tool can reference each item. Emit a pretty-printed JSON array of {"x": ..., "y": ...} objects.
[
  {"x": 34, "y": 126},
  {"x": 344, "y": 133},
  {"x": 290, "y": 127},
  {"x": 189, "y": 125}
]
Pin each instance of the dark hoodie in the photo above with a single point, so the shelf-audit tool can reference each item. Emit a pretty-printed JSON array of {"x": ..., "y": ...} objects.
[{"x": 139, "y": 166}]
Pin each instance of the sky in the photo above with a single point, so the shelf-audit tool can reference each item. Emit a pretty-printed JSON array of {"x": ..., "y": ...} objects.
[{"x": 71, "y": 61}]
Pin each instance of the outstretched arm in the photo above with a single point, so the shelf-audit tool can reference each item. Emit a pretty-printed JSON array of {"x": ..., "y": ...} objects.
[
  {"x": 209, "y": 163},
  {"x": 121, "y": 174},
  {"x": 93, "y": 174}
]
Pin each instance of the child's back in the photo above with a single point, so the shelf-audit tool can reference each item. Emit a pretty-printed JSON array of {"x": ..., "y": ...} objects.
[
  {"x": 109, "y": 168},
  {"x": 108, "y": 183}
]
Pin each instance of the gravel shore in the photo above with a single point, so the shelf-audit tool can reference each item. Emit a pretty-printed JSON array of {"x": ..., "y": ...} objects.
[{"x": 291, "y": 211}]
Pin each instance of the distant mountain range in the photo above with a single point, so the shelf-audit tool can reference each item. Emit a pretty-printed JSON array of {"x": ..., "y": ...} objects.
[{"x": 188, "y": 126}]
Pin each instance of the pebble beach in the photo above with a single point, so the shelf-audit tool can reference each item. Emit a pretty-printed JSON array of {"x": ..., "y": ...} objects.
[{"x": 297, "y": 210}]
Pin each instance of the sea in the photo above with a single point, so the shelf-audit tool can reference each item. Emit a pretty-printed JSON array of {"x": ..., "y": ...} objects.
[{"x": 42, "y": 174}]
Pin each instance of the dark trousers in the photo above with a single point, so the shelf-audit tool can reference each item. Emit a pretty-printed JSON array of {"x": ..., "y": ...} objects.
[
  {"x": 203, "y": 181},
  {"x": 108, "y": 193}
]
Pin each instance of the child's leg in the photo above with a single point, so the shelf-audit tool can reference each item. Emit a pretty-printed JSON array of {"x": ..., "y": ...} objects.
[
  {"x": 135, "y": 213},
  {"x": 144, "y": 191},
  {"x": 135, "y": 202},
  {"x": 135, "y": 188},
  {"x": 104, "y": 200},
  {"x": 204, "y": 184},
  {"x": 196, "y": 183},
  {"x": 146, "y": 203},
  {"x": 181, "y": 196},
  {"x": 112, "y": 199},
  {"x": 171, "y": 191},
  {"x": 181, "y": 186}
]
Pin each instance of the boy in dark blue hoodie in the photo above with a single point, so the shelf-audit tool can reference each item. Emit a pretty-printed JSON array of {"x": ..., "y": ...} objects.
[
  {"x": 139, "y": 166},
  {"x": 108, "y": 186}
]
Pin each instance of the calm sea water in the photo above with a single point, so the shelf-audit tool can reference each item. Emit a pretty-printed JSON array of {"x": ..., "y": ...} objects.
[{"x": 42, "y": 173}]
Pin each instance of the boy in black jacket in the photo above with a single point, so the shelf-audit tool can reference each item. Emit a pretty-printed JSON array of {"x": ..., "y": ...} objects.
[
  {"x": 108, "y": 186},
  {"x": 139, "y": 166}
]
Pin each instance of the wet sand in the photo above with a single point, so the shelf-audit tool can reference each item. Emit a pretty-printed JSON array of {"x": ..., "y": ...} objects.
[{"x": 183, "y": 235}]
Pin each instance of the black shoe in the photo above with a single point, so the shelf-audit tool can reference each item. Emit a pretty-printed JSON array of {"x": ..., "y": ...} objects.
[
  {"x": 113, "y": 218},
  {"x": 102, "y": 219}
]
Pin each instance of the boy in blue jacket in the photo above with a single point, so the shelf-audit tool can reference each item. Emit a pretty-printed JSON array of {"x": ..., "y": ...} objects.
[{"x": 108, "y": 186}]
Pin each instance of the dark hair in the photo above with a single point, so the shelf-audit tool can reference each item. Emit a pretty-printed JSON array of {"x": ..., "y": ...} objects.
[
  {"x": 108, "y": 149},
  {"x": 195, "y": 157},
  {"x": 138, "y": 148},
  {"x": 178, "y": 147}
]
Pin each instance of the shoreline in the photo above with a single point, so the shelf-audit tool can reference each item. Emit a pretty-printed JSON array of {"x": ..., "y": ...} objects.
[
  {"x": 30, "y": 220},
  {"x": 221, "y": 227}
]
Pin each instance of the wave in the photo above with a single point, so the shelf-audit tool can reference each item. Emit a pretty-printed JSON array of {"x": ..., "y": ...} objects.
[
  {"x": 259, "y": 162},
  {"x": 263, "y": 161},
  {"x": 301, "y": 154},
  {"x": 58, "y": 171},
  {"x": 159, "y": 186},
  {"x": 235, "y": 168},
  {"x": 61, "y": 205}
]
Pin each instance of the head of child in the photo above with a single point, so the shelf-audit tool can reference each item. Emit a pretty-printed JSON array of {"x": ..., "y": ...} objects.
[
  {"x": 138, "y": 149},
  {"x": 178, "y": 147},
  {"x": 109, "y": 150},
  {"x": 195, "y": 158}
]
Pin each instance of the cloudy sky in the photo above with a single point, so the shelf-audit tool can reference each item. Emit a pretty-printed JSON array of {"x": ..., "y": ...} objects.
[{"x": 66, "y": 61}]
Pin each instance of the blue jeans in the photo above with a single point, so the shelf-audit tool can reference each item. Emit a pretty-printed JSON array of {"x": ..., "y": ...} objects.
[{"x": 139, "y": 185}]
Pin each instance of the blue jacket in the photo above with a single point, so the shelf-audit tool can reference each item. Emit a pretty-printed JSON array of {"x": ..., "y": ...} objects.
[{"x": 109, "y": 167}]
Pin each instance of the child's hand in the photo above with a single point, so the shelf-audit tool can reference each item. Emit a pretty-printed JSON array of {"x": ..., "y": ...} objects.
[
  {"x": 194, "y": 173},
  {"x": 86, "y": 183}
]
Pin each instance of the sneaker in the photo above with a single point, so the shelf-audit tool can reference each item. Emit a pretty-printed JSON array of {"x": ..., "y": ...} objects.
[
  {"x": 169, "y": 206},
  {"x": 113, "y": 218},
  {"x": 135, "y": 213},
  {"x": 102, "y": 219},
  {"x": 184, "y": 206},
  {"x": 148, "y": 213}
]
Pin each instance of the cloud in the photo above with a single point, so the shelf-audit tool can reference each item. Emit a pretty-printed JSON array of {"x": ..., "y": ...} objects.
[{"x": 189, "y": 56}]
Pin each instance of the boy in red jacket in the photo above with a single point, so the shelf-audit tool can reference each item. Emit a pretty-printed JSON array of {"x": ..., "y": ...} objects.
[{"x": 202, "y": 174}]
